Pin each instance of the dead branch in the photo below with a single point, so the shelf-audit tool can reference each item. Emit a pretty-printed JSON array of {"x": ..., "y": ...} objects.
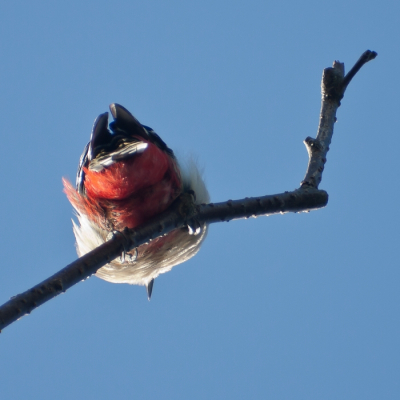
[{"x": 183, "y": 212}]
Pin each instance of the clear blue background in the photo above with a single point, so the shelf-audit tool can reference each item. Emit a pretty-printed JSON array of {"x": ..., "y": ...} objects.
[{"x": 302, "y": 306}]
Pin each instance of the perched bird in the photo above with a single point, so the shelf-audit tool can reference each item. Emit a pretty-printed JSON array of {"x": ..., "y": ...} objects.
[{"x": 126, "y": 175}]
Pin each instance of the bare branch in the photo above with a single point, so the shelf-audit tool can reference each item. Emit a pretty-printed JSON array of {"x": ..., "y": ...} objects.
[
  {"x": 333, "y": 86},
  {"x": 175, "y": 217},
  {"x": 184, "y": 213}
]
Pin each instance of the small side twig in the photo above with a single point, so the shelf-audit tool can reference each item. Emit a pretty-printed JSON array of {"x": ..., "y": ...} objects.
[
  {"x": 365, "y": 57},
  {"x": 183, "y": 212}
]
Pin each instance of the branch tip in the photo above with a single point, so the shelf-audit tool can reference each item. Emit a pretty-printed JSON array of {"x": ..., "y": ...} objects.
[
  {"x": 368, "y": 55},
  {"x": 339, "y": 67}
]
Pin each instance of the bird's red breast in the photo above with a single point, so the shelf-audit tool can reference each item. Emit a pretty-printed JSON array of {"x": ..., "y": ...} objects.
[
  {"x": 128, "y": 193},
  {"x": 133, "y": 190}
]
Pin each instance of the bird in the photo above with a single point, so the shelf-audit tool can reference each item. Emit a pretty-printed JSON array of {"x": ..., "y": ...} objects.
[{"x": 127, "y": 175}]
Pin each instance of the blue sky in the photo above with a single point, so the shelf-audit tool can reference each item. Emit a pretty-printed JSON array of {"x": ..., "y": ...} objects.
[{"x": 301, "y": 306}]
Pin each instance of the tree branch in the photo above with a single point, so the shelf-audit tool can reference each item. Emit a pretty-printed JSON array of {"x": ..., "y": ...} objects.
[
  {"x": 333, "y": 86},
  {"x": 183, "y": 212}
]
